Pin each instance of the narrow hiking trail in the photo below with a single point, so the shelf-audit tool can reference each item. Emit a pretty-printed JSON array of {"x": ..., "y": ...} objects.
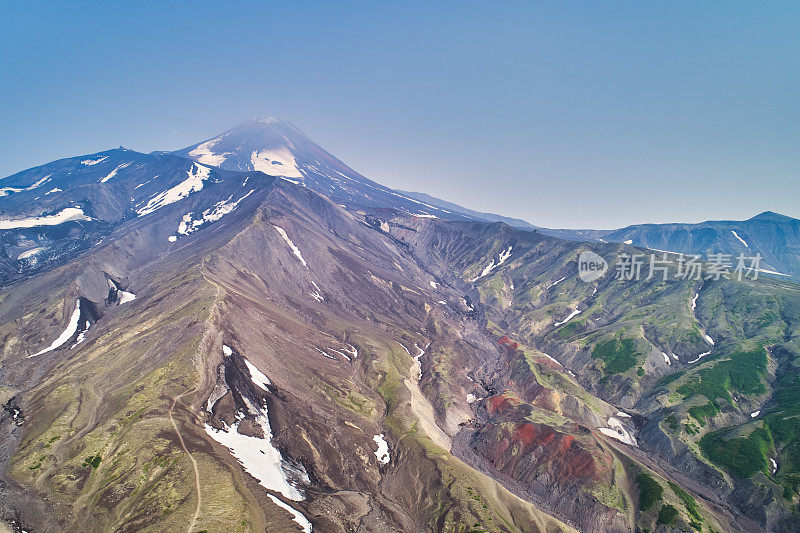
[{"x": 194, "y": 463}]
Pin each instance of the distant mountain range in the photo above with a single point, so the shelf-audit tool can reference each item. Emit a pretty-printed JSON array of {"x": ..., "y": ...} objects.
[{"x": 776, "y": 237}]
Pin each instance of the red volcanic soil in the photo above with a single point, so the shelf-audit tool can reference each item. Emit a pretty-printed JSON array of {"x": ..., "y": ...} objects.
[
  {"x": 522, "y": 452},
  {"x": 509, "y": 344},
  {"x": 500, "y": 402}
]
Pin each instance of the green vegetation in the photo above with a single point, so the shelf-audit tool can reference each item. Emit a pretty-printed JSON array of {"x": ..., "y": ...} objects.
[
  {"x": 93, "y": 461},
  {"x": 650, "y": 491},
  {"x": 669, "y": 378},
  {"x": 784, "y": 427},
  {"x": 667, "y": 515},
  {"x": 618, "y": 354},
  {"x": 688, "y": 500},
  {"x": 742, "y": 456},
  {"x": 703, "y": 412},
  {"x": 742, "y": 372},
  {"x": 569, "y": 330}
]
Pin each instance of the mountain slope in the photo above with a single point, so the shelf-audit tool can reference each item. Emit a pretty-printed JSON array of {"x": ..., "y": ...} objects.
[
  {"x": 477, "y": 215},
  {"x": 220, "y": 349},
  {"x": 277, "y": 147},
  {"x": 51, "y": 213}
]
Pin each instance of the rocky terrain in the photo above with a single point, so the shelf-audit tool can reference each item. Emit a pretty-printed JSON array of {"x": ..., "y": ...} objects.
[{"x": 190, "y": 342}]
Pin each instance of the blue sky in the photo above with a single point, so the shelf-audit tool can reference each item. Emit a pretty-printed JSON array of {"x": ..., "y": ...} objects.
[{"x": 566, "y": 114}]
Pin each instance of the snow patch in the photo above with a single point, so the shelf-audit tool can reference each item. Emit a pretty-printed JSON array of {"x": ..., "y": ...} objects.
[
  {"x": 5, "y": 191},
  {"x": 203, "y": 153},
  {"x": 569, "y": 317},
  {"x": 297, "y": 516},
  {"x": 326, "y": 354},
  {"x": 698, "y": 357},
  {"x": 740, "y": 239},
  {"x": 30, "y": 253},
  {"x": 317, "y": 294},
  {"x": 51, "y": 191},
  {"x": 556, "y": 282},
  {"x": 65, "y": 215},
  {"x": 774, "y": 465},
  {"x": 278, "y": 162},
  {"x": 258, "y": 456},
  {"x": 617, "y": 431},
  {"x": 434, "y": 284},
  {"x": 382, "y": 452},
  {"x": 505, "y": 254},
  {"x": 352, "y": 350},
  {"x": 189, "y": 224},
  {"x": 123, "y": 297},
  {"x": 708, "y": 339},
  {"x": 198, "y": 174},
  {"x": 755, "y": 414},
  {"x": 295, "y": 249},
  {"x": 114, "y": 172},
  {"x": 666, "y": 358},
  {"x": 72, "y": 328},
  {"x": 694, "y": 301},
  {"x": 629, "y": 241},
  {"x": 257, "y": 376},
  {"x": 90, "y": 162}
]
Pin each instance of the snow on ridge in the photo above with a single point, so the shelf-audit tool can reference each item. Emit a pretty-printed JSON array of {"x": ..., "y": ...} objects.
[
  {"x": 740, "y": 239},
  {"x": 30, "y": 253},
  {"x": 189, "y": 224},
  {"x": 51, "y": 191},
  {"x": 382, "y": 453},
  {"x": 317, "y": 294},
  {"x": 258, "y": 456},
  {"x": 65, "y": 215},
  {"x": 90, "y": 162},
  {"x": 203, "y": 153},
  {"x": 698, "y": 357},
  {"x": 197, "y": 173},
  {"x": 556, "y": 282},
  {"x": 297, "y": 516},
  {"x": 81, "y": 336},
  {"x": 257, "y": 376},
  {"x": 123, "y": 297},
  {"x": 278, "y": 162},
  {"x": 72, "y": 328},
  {"x": 617, "y": 431},
  {"x": 287, "y": 240},
  {"x": 569, "y": 317},
  {"x": 326, "y": 354},
  {"x": 114, "y": 172},
  {"x": 505, "y": 254},
  {"x": 5, "y": 191}
]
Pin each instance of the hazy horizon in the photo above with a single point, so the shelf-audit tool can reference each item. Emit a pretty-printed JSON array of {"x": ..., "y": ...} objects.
[{"x": 564, "y": 115}]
